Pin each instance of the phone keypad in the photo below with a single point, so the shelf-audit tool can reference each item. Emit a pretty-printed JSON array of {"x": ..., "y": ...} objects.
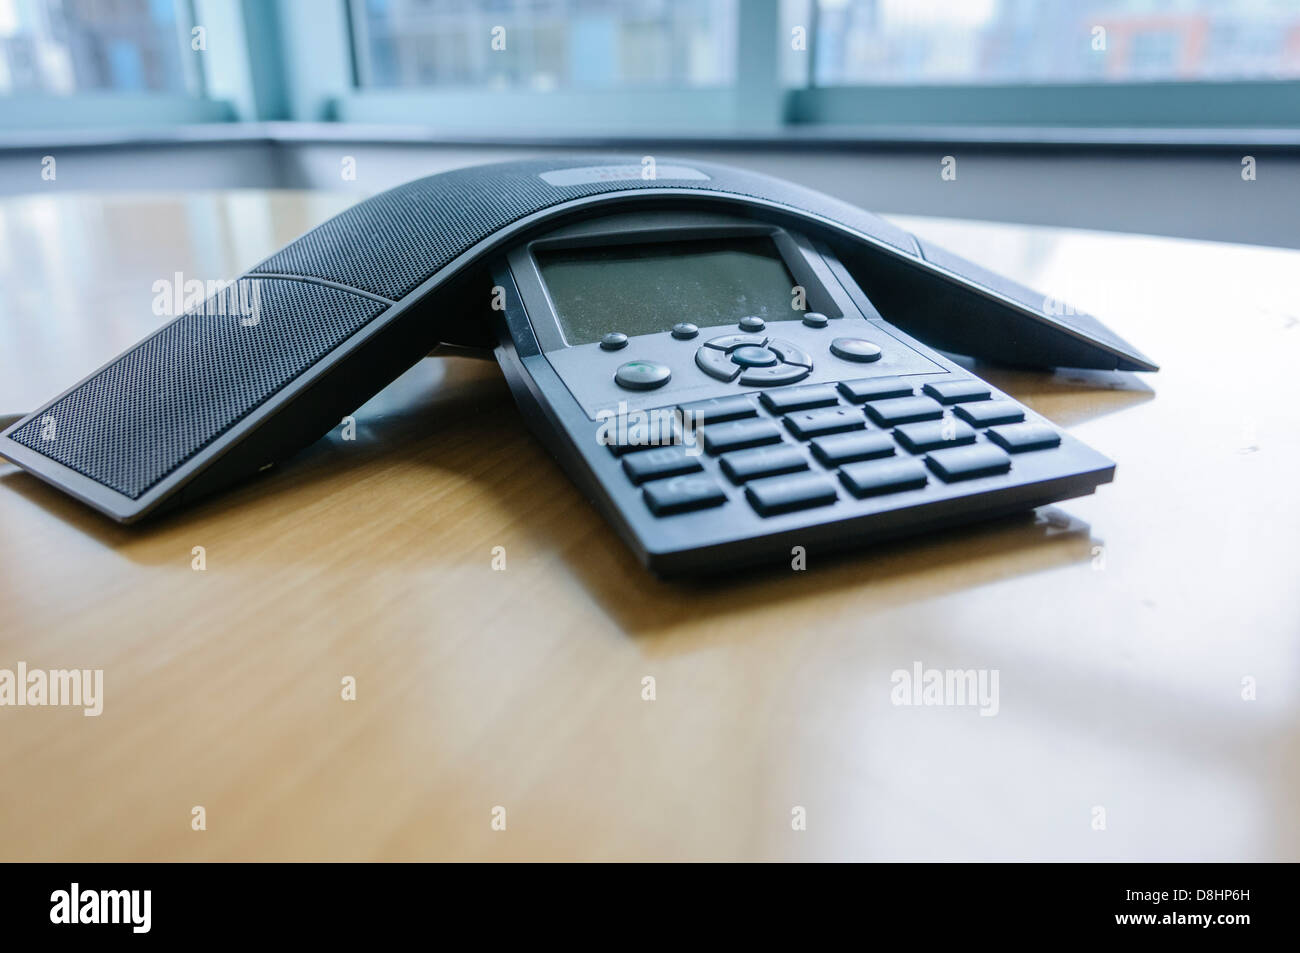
[{"x": 810, "y": 446}]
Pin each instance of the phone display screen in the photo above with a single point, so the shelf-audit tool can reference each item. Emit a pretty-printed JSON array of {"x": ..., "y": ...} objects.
[{"x": 644, "y": 289}]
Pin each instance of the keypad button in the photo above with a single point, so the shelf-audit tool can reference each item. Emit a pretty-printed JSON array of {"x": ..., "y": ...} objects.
[
  {"x": 904, "y": 410},
  {"x": 879, "y": 388},
  {"x": 990, "y": 413},
  {"x": 751, "y": 355},
  {"x": 717, "y": 409},
  {"x": 858, "y": 350},
  {"x": 774, "y": 376},
  {"x": 790, "y": 353},
  {"x": 752, "y": 323},
  {"x": 815, "y": 319},
  {"x": 849, "y": 447},
  {"x": 874, "y": 477},
  {"x": 716, "y": 364},
  {"x": 659, "y": 463},
  {"x": 782, "y": 494},
  {"x": 642, "y": 375},
  {"x": 799, "y": 398},
  {"x": 955, "y": 392},
  {"x": 934, "y": 434},
  {"x": 728, "y": 342},
  {"x": 683, "y": 493},
  {"x": 1019, "y": 438},
  {"x": 636, "y": 438},
  {"x": 684, "y": 331},
  {"x": 739, "y": 434},
  {"x": 613, "y": 341},
  {"x": 746, "y": 465},
  {"x": 806, "y": 424},
  {"x": 965, "y": 463}
]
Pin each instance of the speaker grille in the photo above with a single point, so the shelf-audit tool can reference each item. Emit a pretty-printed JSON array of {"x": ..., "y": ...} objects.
[
  {"x": 394, "y": 241},
  {"x": 167, "y": 398}
]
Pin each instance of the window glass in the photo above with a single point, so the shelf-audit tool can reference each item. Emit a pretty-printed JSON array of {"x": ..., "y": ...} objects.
[
  {"x": 67, "y": 46},
  {"x": 545, "y": 44},
  {"x": 909, "y": 42}
]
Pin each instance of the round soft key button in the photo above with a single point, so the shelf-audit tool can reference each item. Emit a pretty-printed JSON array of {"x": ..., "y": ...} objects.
[
  {"x": 815, "y": 319},
  {"x": 684, "y": 331},
  {"x": 642, "y": 375},
  {"x": 613, "y": 341},
  {"x": 752, "y": 322},
  {"x": 855, "y": 349}
]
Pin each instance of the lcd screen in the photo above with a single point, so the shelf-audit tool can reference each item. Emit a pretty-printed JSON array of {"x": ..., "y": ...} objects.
[{"x": 643, "y": 289}]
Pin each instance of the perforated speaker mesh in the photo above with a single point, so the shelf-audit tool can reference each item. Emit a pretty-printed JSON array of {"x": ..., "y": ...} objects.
[
  {"x": 396, "y": 240},
  {"x": 167, "y": 398}
]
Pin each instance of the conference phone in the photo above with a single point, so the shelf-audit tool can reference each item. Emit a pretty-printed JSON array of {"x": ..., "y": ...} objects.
[{"x": 728, "y": 365}]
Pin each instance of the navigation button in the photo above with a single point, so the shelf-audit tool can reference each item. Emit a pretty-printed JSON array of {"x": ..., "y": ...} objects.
[
  {"x": 772, "y": 376},
  {"x": 729, "y": 342},
  {"x": 790, "y": 353},
  {"x": 716, "y": 364},
  {"x": 752, "y": 355}
]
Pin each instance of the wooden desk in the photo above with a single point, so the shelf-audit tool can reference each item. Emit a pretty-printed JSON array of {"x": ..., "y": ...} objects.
[{"x": 1121, "y": 625}]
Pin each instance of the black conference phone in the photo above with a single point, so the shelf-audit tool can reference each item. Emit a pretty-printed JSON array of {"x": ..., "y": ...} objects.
[{"x": 728, "y": 365}]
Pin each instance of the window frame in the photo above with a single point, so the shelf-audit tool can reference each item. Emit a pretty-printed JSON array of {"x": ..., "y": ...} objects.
[{"x": 1150, "y": 105}]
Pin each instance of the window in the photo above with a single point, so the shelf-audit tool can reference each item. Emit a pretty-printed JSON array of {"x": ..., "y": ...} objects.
[
  {"x": 650, "y": 67},
  {"x": 62, "y": 47},
  {"x": 545, "y": 44},
  {"x": 898, "y": 42},
  {"x": 1007, "y": 65}
]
